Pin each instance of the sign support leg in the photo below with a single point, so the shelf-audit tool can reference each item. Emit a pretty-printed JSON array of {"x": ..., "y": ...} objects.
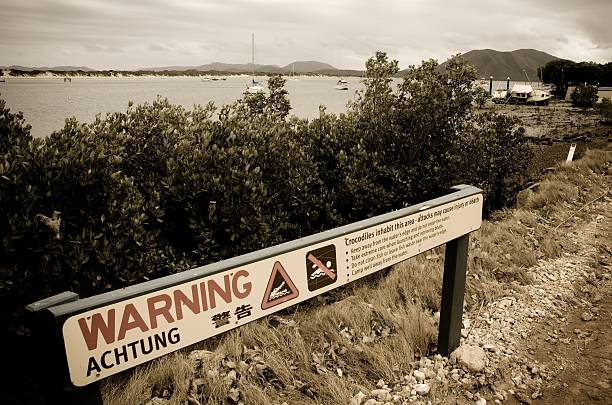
[
  {"x": 453, "y": 287},
  {"x": 47, "y": 360}
]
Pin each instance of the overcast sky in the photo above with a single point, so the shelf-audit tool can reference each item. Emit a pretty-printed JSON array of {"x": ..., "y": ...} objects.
[{"x": 128, "y": 34}]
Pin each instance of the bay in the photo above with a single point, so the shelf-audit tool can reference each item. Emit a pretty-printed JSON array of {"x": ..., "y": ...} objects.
[{"x": 47, "y": 102}]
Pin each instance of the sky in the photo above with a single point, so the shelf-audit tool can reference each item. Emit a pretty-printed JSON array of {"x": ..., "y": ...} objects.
[{"x": 131, "y": 34}]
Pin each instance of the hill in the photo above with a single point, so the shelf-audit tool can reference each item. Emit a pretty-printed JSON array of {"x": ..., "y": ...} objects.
[
  {"x": 300, "y": 67},
  {"x": 500, "y": 65},
  {"x": 308, "y": 66},
  {"x": 46, "y": 68}
]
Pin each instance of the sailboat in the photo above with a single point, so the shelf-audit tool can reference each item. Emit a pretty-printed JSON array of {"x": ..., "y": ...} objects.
[
  {"x": 293, "y": 78},
  {"x": 255, "y": 87},
  {"x": 341, "y": 84}
]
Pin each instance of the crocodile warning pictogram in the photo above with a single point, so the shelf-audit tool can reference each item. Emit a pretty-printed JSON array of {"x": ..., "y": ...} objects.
[
  {"x": 280, "y": 288},
  {"x": 321, "y": 267}
]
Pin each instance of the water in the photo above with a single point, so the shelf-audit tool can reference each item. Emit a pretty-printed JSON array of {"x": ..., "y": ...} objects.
[{"x": 47, "y": 102}]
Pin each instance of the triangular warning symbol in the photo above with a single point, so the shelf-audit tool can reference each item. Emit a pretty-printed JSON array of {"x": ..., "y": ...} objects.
[{"x": 280, "y": 288}]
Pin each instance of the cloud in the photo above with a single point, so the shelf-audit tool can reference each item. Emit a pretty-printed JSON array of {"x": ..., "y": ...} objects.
[
  {"x": 343, "y": 33},
  {"x": 102, "y": 48}
]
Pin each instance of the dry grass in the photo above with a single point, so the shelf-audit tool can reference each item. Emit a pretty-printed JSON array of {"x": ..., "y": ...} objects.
[{"x": 328, "y": 349}]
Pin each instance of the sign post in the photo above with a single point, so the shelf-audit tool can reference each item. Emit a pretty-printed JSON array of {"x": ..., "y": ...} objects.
[
  {"x": 105, "y": 334},
  {"x": 570, "y": 154},
  {"x": 453, "y": 287}
]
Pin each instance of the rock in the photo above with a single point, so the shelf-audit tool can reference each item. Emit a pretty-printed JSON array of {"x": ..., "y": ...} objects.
[
  {"x": 489, "y": 347},
  {"x": 199, "y": 355},
  {"x": 586, "y": 316},
  {"x": 380, "y": 394},
  {"x": 481, "y": 401},
  {"x": 523, "y": 398},
  {"x": 358, "y": 398},
  {"x": 471, "y": 357},
  {"x": 372, "y": 402},
  {"x": 380, "y": 383},
  {"x": 419, "y": 375},
  {"x": 422, "y": 389}
]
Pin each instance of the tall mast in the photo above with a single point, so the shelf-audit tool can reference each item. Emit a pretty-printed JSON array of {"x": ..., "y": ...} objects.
[{"x": 253, "y": 53}]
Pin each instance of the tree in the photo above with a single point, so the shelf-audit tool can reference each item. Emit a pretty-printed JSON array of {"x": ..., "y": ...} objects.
[
  {"x": 481, "y": 96},
  {"x": 277, "y": 102},
  {"x": 13, "y": 128},
  {"x": 584, "y": 96}
]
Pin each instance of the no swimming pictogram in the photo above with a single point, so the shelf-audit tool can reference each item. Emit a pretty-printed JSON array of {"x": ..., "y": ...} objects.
[
  {"x": 321, "y": 267},
  {"x": 280, "y": 288}
]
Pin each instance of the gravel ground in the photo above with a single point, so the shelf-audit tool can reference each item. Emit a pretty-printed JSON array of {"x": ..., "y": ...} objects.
[{"x": 525, "y": 347}]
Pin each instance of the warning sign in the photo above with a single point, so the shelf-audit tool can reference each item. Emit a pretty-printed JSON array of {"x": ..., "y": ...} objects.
[
  {"x": 280, "y": 288},
  {"x": 321, "y": 267}
]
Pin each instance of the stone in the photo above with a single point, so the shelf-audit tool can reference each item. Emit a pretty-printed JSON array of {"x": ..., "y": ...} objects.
[
  {"x": 489, "y": 347},
  {"x": 586, "y": 316},
  {"x": 380, "y": 394},
  {"x": 419, "y": 375},
  {"x": 372, "y": 402},
  {"x": 422, "y": 389},
  {"x": 471, "y": 357},
  {"x": 358, "y": 398},
  {"x": 199, "y": 355},
  {"x": 481, "y": 401}
]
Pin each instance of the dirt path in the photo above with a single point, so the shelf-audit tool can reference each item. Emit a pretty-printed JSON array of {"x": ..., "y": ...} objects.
[
  {"x": 587, "y": 358},
  {"x": 550, "y": 342}
]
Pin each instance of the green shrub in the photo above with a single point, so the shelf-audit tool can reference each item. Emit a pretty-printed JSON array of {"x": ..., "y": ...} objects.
[
  {"x": 584, "y": 96},
  {"x": 158, "y": 189}
]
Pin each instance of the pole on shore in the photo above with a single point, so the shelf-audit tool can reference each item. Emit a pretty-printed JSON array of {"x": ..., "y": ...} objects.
[
  {"x": 508, "y": 83},
  {"x": 491, "y": 85}
]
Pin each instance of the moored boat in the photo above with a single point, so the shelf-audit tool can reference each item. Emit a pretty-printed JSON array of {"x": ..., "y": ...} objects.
[
  {"x": 341, "y": 85},
  {"x": 522, "y": 94}
]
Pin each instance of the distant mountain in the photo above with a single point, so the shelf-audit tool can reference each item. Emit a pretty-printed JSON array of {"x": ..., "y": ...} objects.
[
  {"x": 308, "y": 66},
  {"x": 219, "y": 67},
  {"x": 55, "y": 68},
  {"x": 500, "y": 65},
  {"x": 300, "y": 67}
]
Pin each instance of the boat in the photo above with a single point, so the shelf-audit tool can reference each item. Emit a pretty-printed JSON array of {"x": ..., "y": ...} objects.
[
  {"x": 341, "y": 85},
  {"x": 2, "y": 80},
  {"x": 292, "y": 77},
  {"x": 255, "y": 87},
  {"x": 522, "y": 94},
  {"x": 206, "y": 79}
]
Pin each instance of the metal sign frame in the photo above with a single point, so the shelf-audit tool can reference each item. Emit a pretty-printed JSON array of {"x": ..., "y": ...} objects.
[{"x": 53, "y": 313}]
